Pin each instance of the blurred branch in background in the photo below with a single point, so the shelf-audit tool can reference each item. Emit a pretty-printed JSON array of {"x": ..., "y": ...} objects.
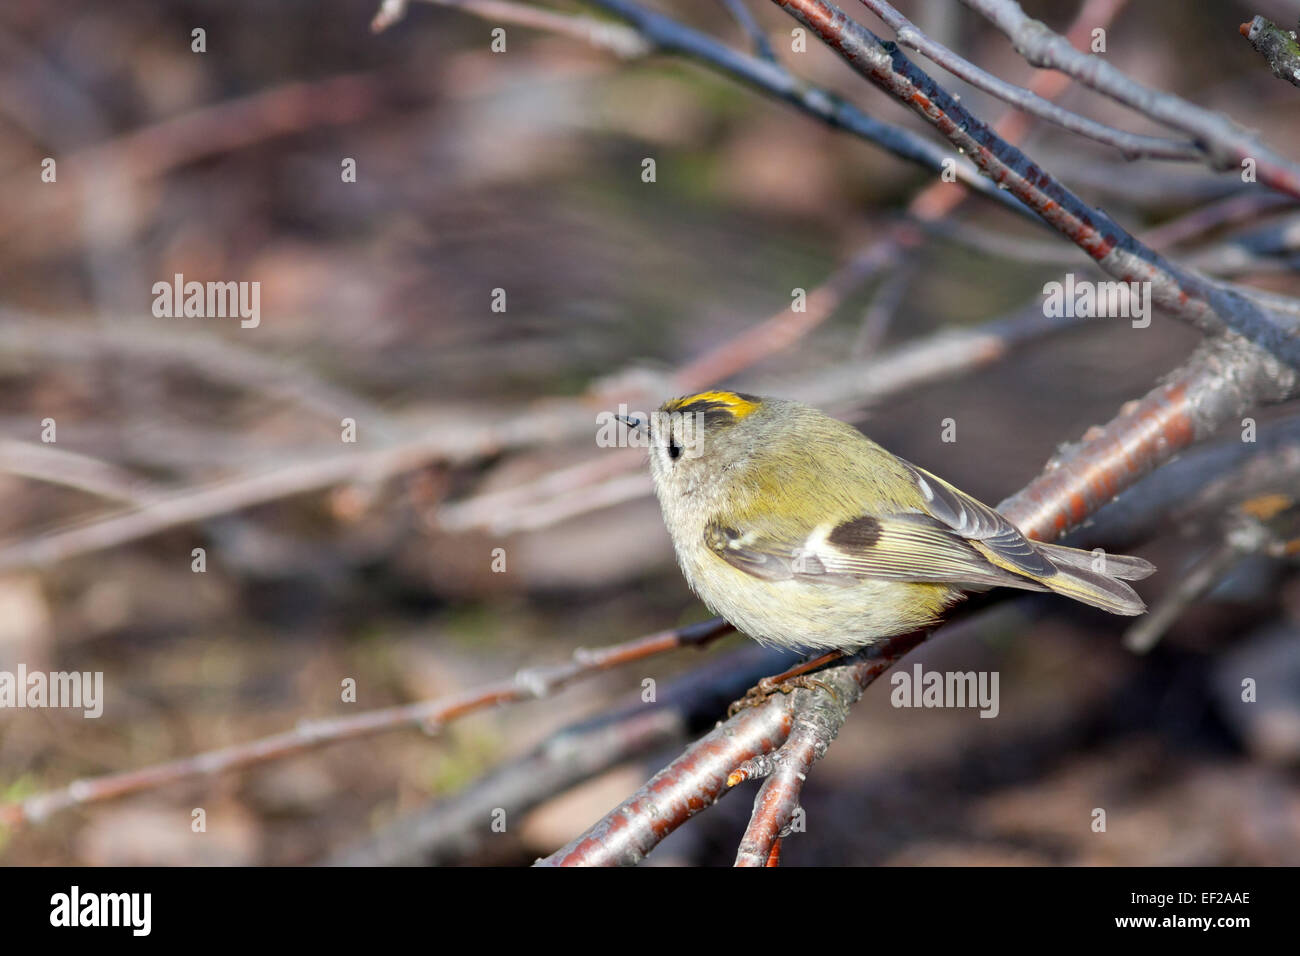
[
  {"x": 430, "y": 715},
  {"x": 670, "y": 36},
  {"x": 57, "y": 466},
  {"x": 447, "y": 831},
  {"x": 619, "y": 40},
  {"x": 742, "y": 15},
  {"x": 522, "y": 466},
  {"x": 848, "y": 387},
  {"x": 151, "y": 152}
]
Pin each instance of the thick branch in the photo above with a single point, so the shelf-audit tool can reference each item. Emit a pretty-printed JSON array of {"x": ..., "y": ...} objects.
[
  {"x": 818, "y": 717},
  {"x": 1222, "y": 378},
  {"x": 682, "y": 789}
]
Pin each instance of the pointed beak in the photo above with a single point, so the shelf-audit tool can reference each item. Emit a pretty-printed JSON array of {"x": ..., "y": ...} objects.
[{"x": 631, "y": 421}]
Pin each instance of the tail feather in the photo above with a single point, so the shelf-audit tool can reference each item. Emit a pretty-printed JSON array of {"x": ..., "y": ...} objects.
[
  {"x": 1086, "y": 585},
  {"x": 1122, "y": 566},
  {"x": 1095, "y": 579}
]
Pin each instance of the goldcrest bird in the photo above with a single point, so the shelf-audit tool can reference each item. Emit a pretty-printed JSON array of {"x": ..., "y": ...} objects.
[{"x": 802, "y": 532}]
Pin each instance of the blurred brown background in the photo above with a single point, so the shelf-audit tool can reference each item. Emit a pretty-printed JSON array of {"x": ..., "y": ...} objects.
[{"x": 521, "y": 171}]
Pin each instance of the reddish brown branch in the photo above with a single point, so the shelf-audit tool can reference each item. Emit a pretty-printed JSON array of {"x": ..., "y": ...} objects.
[
  {"x": 787, "y": 326},
  {"x": 1222, "y": 379},
  {"x": 1220, "y": 382},
  {"x": 692, "y": 782},
  {"x": 151, "y": 151},
  {"x": 817, "y": 719},
  {"x": 778, "y": 797},
  {"x": 527, "y": 684}
]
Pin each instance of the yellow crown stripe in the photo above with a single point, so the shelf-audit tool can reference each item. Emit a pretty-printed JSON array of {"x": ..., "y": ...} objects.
[{"x": 737, "y": 404}]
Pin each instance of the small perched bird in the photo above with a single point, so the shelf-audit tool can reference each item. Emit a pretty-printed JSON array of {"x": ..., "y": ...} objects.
[{"x": 802, "y": 532}]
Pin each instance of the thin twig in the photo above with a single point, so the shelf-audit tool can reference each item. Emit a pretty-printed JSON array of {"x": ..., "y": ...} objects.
[
  {"x": 1226, "y": 144},
  {"x": 1213, "y": 215},
  {"x": 1264, "y": 249},
  {"x": 844, "y": 388},
  {"x": 209, "y": 356},
  {"x": 1180, "y": 291},
  {"x": 153, "y": 150},
  {"x": 602, "y": 34},
  {"x": 670, "y": 36},
  {"x": 1132, "y": 145},
  {"x": 58, "y": 466},
  {"x": 449, "y": 829},
  {"x": 787, "y": 326},
  {"x": 1191, "y": 584},
  {"x": 432, "y": 715},
  {"x": 1264, "y": 526},
  {"x": 685, "y": 787},
  {"x": 745, "y": 17},
  {"x": 885, "y": 302}
]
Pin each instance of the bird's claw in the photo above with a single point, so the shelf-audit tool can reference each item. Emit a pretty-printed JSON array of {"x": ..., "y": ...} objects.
[{"x": 768, "y": 687}]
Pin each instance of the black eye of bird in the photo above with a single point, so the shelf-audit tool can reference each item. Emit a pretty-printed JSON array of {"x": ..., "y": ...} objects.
[{"x": 674, "y": 449}]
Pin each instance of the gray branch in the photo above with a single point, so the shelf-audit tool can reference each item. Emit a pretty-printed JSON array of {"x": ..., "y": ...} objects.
[
  {"x": 1132, "y": 145},
  {"x": 1225, "y": 142}
]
